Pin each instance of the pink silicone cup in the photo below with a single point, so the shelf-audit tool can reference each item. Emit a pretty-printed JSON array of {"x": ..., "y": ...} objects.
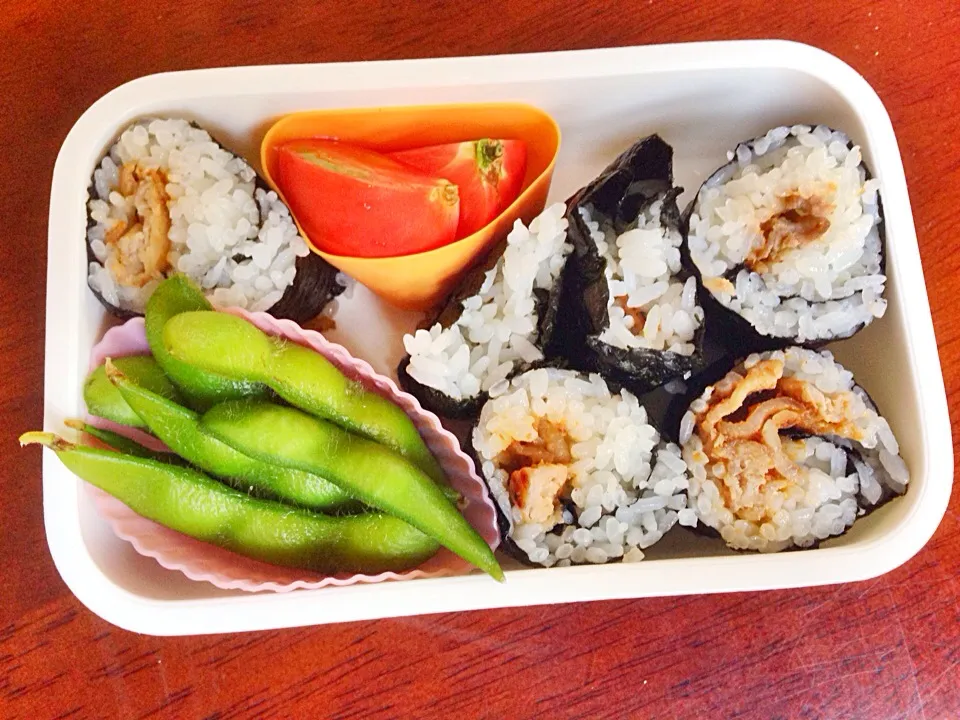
[{"x": 224, "y": 569}]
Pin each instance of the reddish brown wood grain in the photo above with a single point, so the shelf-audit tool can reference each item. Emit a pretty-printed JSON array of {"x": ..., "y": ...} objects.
[{"x": 887, "y": 648}]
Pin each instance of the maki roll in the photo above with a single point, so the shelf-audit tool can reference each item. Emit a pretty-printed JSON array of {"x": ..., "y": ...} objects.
[
  {"x": 628, "y": 305},
  {"x": 576, "y": 469},
  {"x": 787, "y": 239},
  {"x": 785, "y": 451},
  {"x": 167, "y": 198},
  {"x": 500, "y": 321}
]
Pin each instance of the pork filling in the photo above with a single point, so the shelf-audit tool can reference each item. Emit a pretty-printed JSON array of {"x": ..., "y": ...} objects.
[
  {"x": 137, "y": 247},
  {"x": 748, "y": 430},
  {"x": 798, "y": 220},
  {"x": 538, "y": 473}
]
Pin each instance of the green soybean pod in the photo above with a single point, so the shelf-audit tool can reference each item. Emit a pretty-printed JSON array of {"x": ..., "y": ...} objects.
[
  {"x": 232, "y": 347},
  {"x": 370, "y": 471},
  {"x": 179, "y": 428},
  {"x": 116, "y": 440},
  {"x": 187, "y": 501},
  {"x": 104, "y": 400},
  {"x": 178, "y": 294}
]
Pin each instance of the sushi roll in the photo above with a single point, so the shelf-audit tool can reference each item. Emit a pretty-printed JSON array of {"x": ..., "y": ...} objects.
[
  {"x": 500, "y": 321},
  {"x": 788, "y": 240},
  {"x": 785, "y": 451},
  {"x": 629, "y": 307},
  {"x": 576, "y": 469},
  {"x": 167, "y": 198}
]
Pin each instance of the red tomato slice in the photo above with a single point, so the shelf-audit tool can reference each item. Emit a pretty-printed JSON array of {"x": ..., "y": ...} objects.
[
  {"x": 489, "y": 174},
  {"x": 354, "y": 201}
]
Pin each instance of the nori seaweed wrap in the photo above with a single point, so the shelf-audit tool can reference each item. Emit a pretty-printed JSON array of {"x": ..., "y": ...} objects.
[
  {"x": 578, "y": 472},
  {"x": 501, "y": 321},
  {"x": 786, "y": 450},
  {"x": 168, "y": 198},
  {"x": 787, "y": 241},
  {"x": 629, "y": 307}
]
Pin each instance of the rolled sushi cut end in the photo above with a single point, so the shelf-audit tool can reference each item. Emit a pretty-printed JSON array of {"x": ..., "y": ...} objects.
[
  {"x": 649, "y": 305},
  {"x": 788, "y": 236},
  {"x": 786, "y": 451},
  {"x": 491, "y": 331},
  {"x": 577, "y": 471},
  {"x": 167, "y": 198},
  {"x": 629, "y": 305}
]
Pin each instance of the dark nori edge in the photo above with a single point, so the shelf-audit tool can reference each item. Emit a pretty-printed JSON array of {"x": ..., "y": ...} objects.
[
  {"x": 313, "y": 286},
  {"x": 887, "y": 494},
  {"x": 435, "y": 401},
  {"x": 728, "y": 327},
  {"x": 546, "y": 308},
  {"x": 507, "y": 543},
  {"x": 92, "y": 258},
  {"x": 446, "y": 314},
  {"x": 713, "y": 374},
  {"x": 678, "y": 405},
  {"x": 452, "y": 306},
  {"x": 630, "y": 184},
  {"x": 705, "y": 531}
]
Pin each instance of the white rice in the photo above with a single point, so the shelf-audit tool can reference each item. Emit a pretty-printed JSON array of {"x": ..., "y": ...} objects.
[
  {"x": 496, "y": 332},
  {"x": 626, "y": 485},
  {"x": 831, "y": 494},
  {"x": 823, "y": 289},
  {"x": 641, "y": 268},
  {"x": 238, "y": 242}
]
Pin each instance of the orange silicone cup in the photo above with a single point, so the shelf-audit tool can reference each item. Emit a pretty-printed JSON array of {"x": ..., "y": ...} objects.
[{"x": 421, "y": 280}]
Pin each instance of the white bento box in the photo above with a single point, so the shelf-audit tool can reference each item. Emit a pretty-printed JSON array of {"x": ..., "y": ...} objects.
[{"x": 702, "y": 98}]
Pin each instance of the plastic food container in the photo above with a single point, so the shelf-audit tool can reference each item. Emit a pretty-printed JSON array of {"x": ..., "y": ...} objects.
[{"x": 703, "y": 99}]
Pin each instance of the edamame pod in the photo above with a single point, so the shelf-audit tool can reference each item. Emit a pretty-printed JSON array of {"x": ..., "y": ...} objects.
[
  {"x": 117, "y": 441},
  {"x": 371, "y": 472},
  {"x": 179, "y": 428},
  {"x": 196, "y": 505},
  {"x": 104, "y": 400},
  {"x": 178, "y": 294},
  {"x": 232, "y": 347}
]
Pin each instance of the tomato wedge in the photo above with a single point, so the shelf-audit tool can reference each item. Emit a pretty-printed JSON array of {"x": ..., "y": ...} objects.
[
  {"x": 354, "y": 201},
  {"x": 489, "y": 174}
]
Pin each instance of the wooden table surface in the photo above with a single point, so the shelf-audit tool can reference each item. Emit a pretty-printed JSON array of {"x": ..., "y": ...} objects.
[{"x": 886, "y": 648}]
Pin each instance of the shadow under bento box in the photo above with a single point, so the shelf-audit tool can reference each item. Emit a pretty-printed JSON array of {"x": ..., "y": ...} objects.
[{"x": 703, "y": 99}]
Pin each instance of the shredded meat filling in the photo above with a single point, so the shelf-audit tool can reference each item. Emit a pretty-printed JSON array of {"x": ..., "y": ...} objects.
[
  {"x": 798, "y": 221},
  {"x": 639, "y": 319},
  {"x": 538, "y": 473},
  {"x": 535, "y": 491},
  {"x": 741, "y": 429},
  {"x": 138, "y": 250},
  {"x": 550, "y": 447}
]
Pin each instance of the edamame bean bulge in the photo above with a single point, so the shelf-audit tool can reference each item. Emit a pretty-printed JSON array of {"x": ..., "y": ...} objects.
[
  {"x": 104, "y": 400},
  {"x": 232, "y": 347},
  {"x": 178, "y": 294},
  {"x": 370, "y": 471},
  {"x": 192, "y": 503},
  {"x": 179, "y": 428}
]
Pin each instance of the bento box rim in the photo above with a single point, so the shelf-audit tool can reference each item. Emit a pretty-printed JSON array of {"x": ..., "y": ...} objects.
[{"x": 704, "y": 575}]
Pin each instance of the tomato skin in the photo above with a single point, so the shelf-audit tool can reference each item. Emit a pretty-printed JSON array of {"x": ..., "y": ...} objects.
[
  {"x": 489, "y": 174},
  {"x": 353, "y": 201},
  {"x": 514, "y": 168}
]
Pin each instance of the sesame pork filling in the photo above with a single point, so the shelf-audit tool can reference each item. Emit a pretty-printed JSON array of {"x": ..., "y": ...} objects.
[
  {"x": 578, "y": 472},
  {"x": 787, "y": 451}
]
